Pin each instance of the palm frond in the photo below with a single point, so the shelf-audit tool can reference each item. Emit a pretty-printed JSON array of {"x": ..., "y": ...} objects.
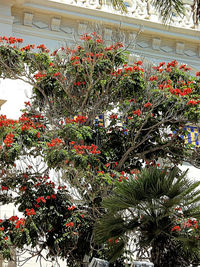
[
  {"x": 119, "y": 4},
  {"x": 168, "y": 8},
  {"x": 145, "y": 206}
]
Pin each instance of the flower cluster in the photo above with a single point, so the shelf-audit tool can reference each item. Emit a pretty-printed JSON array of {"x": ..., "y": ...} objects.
[
  {"x": 148, "y": 105},
  {"x": 40, "y": 199},
  {"x": 92, "y": 149},
  {"x": 19, "y": 223},
  {"x": 77, "y": 119},
  {"x": 193, "y": 102},
  {"x": 137, "y": 112},
  {"x": 28, "y": 47},
  {"x": 39, "y": 75},
  {"x": 4, "y": 122},
  {"x": 55, "y": 142},
  {"x": 9, "y": 139},
  {"x": 30, "y": 212},
  {"x": 11, "y": 40}
]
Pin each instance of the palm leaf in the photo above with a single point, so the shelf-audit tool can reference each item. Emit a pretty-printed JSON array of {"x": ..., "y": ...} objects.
[
  {"x": 119, "y": 4},
  {"x": 168, "y": 8},
  {"x": 146, "y": 207}
]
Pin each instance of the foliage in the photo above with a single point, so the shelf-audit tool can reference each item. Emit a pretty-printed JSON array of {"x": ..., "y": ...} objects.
[
  {"x": 56, "y": 137},
  {"x": 146, "y": 205},
  {"x": 167, "y": 9}
]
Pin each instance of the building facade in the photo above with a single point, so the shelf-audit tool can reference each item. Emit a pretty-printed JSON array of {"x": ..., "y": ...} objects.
[{"x": 62, "y": 22}]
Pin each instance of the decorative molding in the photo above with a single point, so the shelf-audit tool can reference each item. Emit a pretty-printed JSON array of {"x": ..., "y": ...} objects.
[
  {"x": 156, "y": 42},
  {"x": 198, "y": 51},
  {"x": 82, "y": 28},
  {"x": 166, "y": 49},
  {"x": 180, "y": 48},
  {"x": 143, "y": 44},
  {"x": 108, "y": 34},
  {"x": 40, "y": 24},
  {"x": 132, "y": 36},
  {"x": 55, "y": 24},
  {"x": 67, "y": 30},
  {"x": 28, "y": 19},
  {"x": 66, "y": 19},
  {"x": 190, "y": 53}
]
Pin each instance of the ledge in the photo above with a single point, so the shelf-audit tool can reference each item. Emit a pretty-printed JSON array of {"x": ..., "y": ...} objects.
[{"x": 55, "y": 7}]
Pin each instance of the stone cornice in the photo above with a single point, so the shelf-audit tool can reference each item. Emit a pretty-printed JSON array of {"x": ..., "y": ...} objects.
[
  {"x": 115, "y": 20},
  {"x": 55, "y": 23}
]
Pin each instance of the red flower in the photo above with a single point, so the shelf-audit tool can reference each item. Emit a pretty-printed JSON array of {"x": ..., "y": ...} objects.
[
  {"x": 40, "y": 199},
  {"x": 153, "y": 78},
  {"x": 176, "y": 228},
  {"x": 30, "y": 212},
  {"x": 42, "y": 47},
  {"x": 137, "y": 112},
  {"x": 198, "y": 74},
  {"x": 148, "y": 104},
  {"x": 55, "y": 142},
  {"x": 168, "y": 69},
  {"x": 27, "y": 103},
  {"x": 13, "y": 218},
  {"x": 9, "y": 139},
  {"x": 138, "y": 62},
  {"x": 192, "y": 102},
  {"x": 5, "y": 238},
  {"x": 71, "y": 224},
  {"x": 4, "y": 188},
  {"x": 19, "y": 40},
  {"x": 19, "y": 223}
]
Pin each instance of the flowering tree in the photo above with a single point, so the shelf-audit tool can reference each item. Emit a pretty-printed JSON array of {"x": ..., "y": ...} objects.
[{"x": 57, "y": 131}]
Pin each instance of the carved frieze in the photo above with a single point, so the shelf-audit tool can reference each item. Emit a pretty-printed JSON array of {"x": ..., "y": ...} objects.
[
  {"x": 144, "y": 41},
  {"x": 108, "y": 36},
  {"x": 167, "y": 49},
  {"x": 67, "y": 30},
  {"x": 40, "y": 24},
  {"x": 180, "y": 48},
  {"x": 82, "y": 28},
  {"x": 28, "y": 19},
  {"x": 143, "y": 44},
  {"x": 55, "y": 24},
  {"x": 156, "y": 43},
  {"x": 190, "y": 53}
]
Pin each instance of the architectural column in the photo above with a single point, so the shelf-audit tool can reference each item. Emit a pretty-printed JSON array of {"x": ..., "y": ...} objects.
[{"x": 6, "y": 20}]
